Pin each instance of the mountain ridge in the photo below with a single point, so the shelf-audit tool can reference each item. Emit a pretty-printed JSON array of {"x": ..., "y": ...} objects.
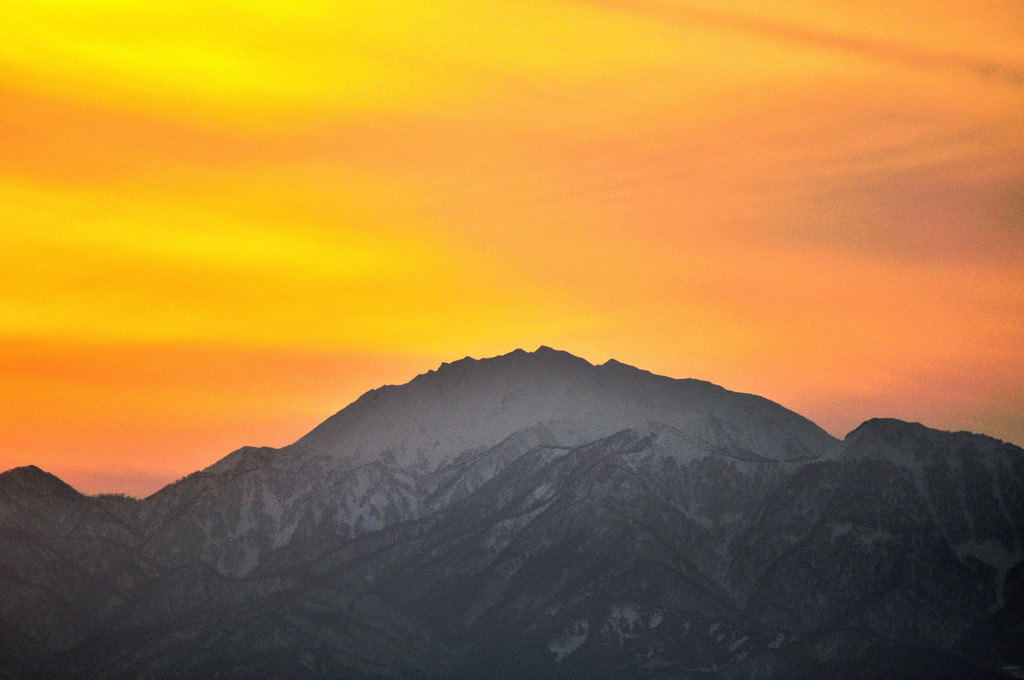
[
  {"x": 517, "y": 389},
  {"x": 533, "y": 516}
]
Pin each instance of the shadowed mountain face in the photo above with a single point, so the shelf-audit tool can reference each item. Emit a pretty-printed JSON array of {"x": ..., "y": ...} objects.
[{"x": 534, "y": 516}]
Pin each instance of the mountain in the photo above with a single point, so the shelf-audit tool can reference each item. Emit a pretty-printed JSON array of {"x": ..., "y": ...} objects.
[
  {"x": 534, "y": 516},
  {"x": 472, "y": 403}
]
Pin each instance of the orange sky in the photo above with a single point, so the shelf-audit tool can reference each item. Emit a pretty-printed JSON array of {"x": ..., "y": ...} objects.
[{"x": 221, "y": 221}]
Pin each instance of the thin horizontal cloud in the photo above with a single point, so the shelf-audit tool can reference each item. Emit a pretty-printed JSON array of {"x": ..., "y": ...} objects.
[{"x": 906, "y": 54}]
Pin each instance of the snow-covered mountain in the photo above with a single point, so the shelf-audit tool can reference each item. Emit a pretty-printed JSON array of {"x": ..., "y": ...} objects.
[
  {"x": 533, "y": 515},
  {"x": 473, "y": 403}
]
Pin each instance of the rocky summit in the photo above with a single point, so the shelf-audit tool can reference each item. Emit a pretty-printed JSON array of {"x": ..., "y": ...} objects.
[{"x": 534, "y": 516}]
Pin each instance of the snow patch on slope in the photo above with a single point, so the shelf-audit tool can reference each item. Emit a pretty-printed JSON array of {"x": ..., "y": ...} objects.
[{"x": 571, "y": 640}]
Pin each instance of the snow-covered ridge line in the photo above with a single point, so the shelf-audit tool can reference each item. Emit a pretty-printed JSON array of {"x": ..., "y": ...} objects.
[{"x": 478, "y": 402}]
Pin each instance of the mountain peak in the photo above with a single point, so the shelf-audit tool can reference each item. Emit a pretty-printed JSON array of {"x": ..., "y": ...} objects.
[
  {"x": 887, "y": 429},
  {"x": 549, "y": 352},
  {"x": 910, "y": 444},
  {"x": 542, "y": 354},
  {"x": 33, "y": 479},
  {"x": 895, "y": 431},
  {"x": 25, "y": 473},
  {"x": 477, "y": 402}
]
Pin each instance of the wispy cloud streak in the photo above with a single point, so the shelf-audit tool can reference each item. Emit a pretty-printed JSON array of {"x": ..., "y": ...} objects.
[{"x": 907, "y": 54}]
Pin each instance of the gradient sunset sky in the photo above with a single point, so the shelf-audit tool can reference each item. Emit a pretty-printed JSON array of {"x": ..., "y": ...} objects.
[{"x": 221, "y": 221}]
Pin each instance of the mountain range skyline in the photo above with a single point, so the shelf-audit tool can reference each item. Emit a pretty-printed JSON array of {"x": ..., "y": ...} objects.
[
  {"x": 533, "y": 515},
  {"x": 221, "y": 220},
  {"x": 413, "y": 418}
]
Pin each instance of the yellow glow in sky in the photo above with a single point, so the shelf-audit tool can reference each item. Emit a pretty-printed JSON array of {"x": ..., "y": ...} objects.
[{"x": 222, "y": 221}]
